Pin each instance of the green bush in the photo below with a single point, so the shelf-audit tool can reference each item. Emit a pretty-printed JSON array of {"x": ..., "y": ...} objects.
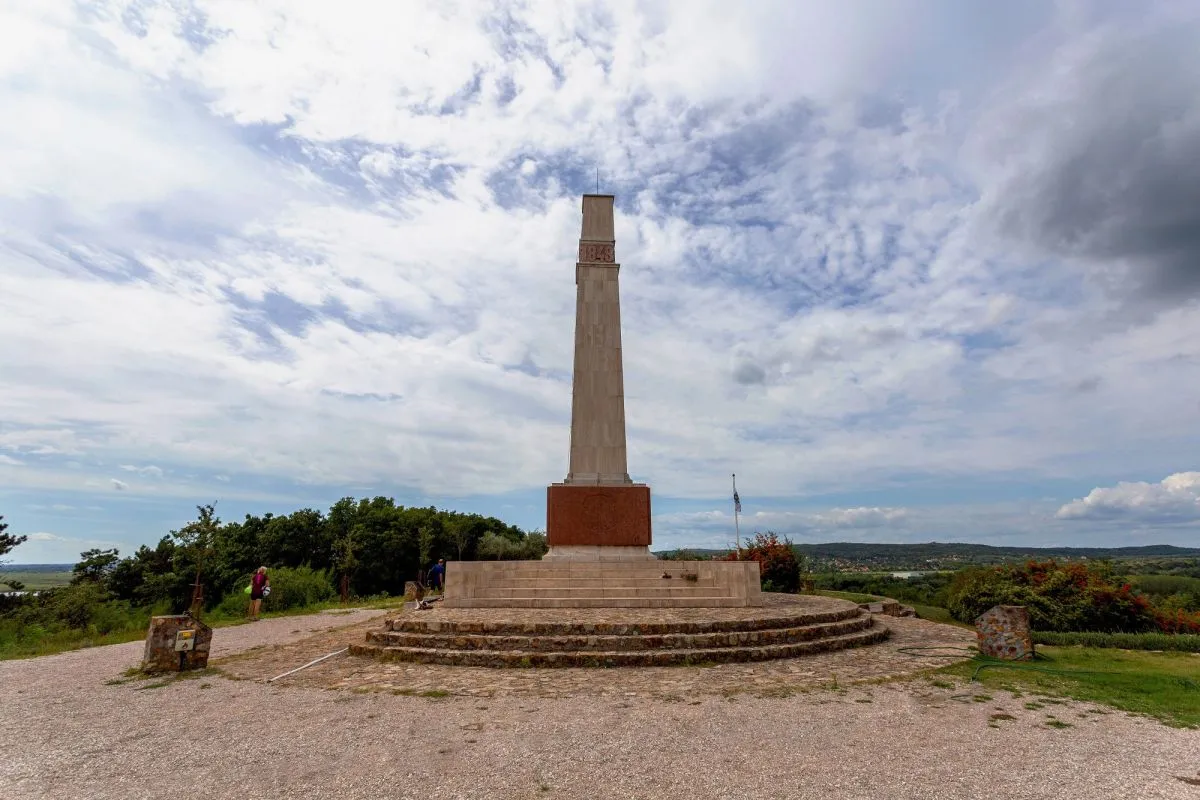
[
  {"x": 779, "y": 567},
  {"x": 75, "y": 606},
  {"x": 116, "y": 616},
  {"x": 685, "y": 555},
  {"x": 1060, "y": 597},
  {"x": 295, "y": 588},
  {"x": 233, "y": 605}
]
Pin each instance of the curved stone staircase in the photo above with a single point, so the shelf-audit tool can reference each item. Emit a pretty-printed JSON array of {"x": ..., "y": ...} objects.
[{"x": 781, "y": 632}]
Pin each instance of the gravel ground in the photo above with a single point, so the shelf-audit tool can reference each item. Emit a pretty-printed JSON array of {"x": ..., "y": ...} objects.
[{"x": 65, "y": 733}]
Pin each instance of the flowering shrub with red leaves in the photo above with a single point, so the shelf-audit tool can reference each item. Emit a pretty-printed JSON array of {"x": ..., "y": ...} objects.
[
  {"x": 1075, "y": 596},
  {"x": 1177, "y": 620},
  {"x": 777, "y": 563}
]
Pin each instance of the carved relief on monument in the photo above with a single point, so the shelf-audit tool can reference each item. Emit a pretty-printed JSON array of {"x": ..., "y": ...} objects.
[{"x": 597, "y": 253}]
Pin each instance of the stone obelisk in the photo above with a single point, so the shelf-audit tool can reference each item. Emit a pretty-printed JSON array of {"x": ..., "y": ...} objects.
[{"x": 598, "y": 513}]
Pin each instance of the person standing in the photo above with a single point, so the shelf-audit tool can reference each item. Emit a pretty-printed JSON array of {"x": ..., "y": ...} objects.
[
  {"x": 437, "y": 575},
  {"x": 258, "y": 585}
]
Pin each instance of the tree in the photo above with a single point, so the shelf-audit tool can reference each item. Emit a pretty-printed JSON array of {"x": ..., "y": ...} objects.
[
  {"x": 345, "y": 558},
  {"x": 7, "y": 542},
  {"x": 463, "y": 534},
  {"x": 197, "y": 540},
  {"x": 95, "y": 566},
  {"x": 495, "y": 547},
  {"x": 534, "y": 546},
  {"x": 149, "y": 577}
]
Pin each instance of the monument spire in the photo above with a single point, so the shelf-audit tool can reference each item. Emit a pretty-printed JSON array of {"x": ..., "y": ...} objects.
[
  {"x": 598, "y": 454},
  {"x": 597, "y": 512}
]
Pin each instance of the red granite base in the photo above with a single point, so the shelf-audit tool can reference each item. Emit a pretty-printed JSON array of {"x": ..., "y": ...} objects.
[{"x": 598, "y": 515}]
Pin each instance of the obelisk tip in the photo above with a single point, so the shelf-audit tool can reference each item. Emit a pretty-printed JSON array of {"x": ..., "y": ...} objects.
[{"x": 598, "y": 218}]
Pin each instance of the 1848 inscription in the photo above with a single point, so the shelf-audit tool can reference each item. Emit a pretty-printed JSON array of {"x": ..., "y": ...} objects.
[{"x": 596, "y": 253}]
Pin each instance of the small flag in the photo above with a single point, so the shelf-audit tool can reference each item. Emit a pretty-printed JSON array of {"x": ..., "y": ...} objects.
[{"x": 737, "y": 502}]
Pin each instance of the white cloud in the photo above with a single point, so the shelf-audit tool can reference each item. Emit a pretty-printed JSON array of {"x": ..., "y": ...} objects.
[
  {"x": 149, "y": 469},
  {"x": 1174, "y": 499},
  {"x": 342, "y": 253},
  {"x": 44, "y": 547},
  {"x": 10, "y": 461},
  {"x": 120, "y": 486},
  {"x": 38, "y": 440},
  {"x": 861, "y": 517}
]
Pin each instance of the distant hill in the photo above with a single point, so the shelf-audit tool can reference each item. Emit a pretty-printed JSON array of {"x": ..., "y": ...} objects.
[
  {"x": 986, "y": 551},
  {"x": 941, "y": 555}
]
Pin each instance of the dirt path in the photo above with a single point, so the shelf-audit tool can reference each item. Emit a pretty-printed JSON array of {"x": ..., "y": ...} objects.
[{"x": 67, "y": 733}]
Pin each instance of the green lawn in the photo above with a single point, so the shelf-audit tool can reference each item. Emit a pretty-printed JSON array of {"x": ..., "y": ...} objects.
[
  {"x": 938, "y": 614},
  {"x": 36, "y": 581},
  {"x": 853, "y": 597},
  {"x": 1165, "y": 686}
]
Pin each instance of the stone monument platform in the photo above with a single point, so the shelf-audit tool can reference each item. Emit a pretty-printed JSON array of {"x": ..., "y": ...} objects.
[
  {"x": 786, "y": 626},
  {"x": 597, "y": 578}
]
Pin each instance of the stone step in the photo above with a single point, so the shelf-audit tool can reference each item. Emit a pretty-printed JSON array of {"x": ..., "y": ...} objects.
[
  {"x": 646, "y": 658},
  {"x": 614, "y": 643},
  {"x": 417, "y": 623}
]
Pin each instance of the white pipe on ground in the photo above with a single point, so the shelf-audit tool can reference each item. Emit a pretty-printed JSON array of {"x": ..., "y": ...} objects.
[{"x": 309, "y": 664}]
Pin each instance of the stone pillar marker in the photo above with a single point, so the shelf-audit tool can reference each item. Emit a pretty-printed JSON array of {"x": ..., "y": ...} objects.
[
  {"x": 597, "y": 512},
  {"x": 1003, "y": 632},
  {"x": 175, "y": 643}
]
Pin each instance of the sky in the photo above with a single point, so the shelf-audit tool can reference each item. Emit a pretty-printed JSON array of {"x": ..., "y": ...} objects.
[{"x": 914, "y": 271}]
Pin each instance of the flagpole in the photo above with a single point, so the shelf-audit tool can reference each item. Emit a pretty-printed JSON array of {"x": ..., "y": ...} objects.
[{"x": 737, "y": 531}]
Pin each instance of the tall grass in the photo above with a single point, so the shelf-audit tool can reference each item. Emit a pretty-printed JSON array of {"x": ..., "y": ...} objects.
[
  {"x": 28, "y": 631},
  {"x": 84, "y": 616},
  {"x": 1178, "y": 642}
]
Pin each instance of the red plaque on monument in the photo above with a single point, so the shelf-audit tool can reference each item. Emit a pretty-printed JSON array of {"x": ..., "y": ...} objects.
[{"x": 613, "y": 516}]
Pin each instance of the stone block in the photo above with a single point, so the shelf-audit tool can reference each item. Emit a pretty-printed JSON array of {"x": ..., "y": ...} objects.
[
  {"x": 176, "y": 642},
  {"x": 1004, "y": 633},
  {"x": 887, "y": 606},
  {"x": 592, "y": 584},
  {"x": 614, "y": 516}
]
